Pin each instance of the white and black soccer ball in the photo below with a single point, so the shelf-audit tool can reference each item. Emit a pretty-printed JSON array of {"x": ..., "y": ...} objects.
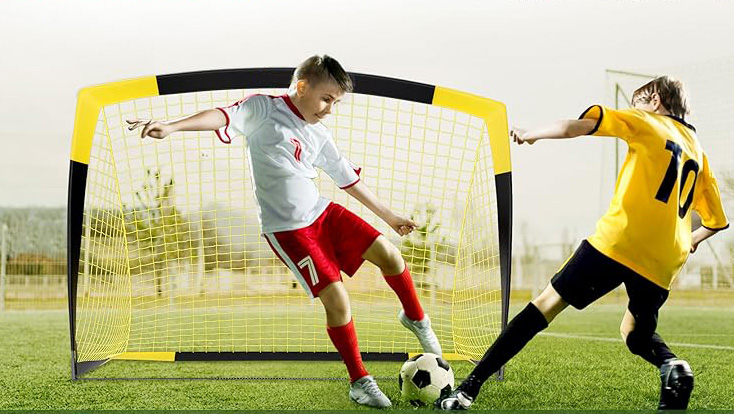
[{"x": 423, "y": 377}]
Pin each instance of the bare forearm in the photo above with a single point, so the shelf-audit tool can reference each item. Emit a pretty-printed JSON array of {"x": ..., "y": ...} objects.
[
  {"x": 561, "y": 129},
  {"x": 208, "y": 120},
  {"x": 362, "y": 193},
  {"x": 365, "y": 196},
  {"x": 701, "y": 234}
]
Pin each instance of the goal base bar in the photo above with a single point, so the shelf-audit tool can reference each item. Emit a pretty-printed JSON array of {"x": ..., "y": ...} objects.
[
  {"x": 81, "y": 368},
  {"x": 268, "y": 356}
]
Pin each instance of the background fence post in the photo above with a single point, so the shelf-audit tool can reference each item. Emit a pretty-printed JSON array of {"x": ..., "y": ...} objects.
[{"x": 3, "y": 263}]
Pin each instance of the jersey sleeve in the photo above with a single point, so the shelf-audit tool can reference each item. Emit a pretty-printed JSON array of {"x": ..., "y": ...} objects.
[
  {"x": 243, "y": 117},
  {"x": 342, "y": 171},
  {"x": 621, "y": 123},
  {"x": 707, "y": 200}
]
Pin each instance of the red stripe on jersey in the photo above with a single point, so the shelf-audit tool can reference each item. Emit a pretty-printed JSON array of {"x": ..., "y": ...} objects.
[
  {"x": 250, "y": 96},
  {"x": 297, "y": 144},
  {"x": 357, "y": 171},
  {"x": 229, "y": 139},
  {"x": 291, "y": 105},
  {"x": 350, "y": 185}
]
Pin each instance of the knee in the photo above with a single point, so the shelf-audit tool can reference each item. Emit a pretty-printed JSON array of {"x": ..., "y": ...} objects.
[
  {"x": 336, "y": 304},
  {"x": 550, "y": 303},
  {"x": 624, "y": 331},
  {"x": 338, "y": 310},
  {"x": 337, "y": 307},
  {"x": 337, "y": 314},
  {"x": 392, "y": 262}
]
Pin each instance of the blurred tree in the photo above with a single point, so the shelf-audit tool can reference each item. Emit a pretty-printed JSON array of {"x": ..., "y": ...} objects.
[
  {"x": 420, "y": 247},
  {"x": 161, "y": 234}
]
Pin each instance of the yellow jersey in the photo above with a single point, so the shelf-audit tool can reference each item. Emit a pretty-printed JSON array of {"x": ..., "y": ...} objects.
[{"x": 666, "y": 175}]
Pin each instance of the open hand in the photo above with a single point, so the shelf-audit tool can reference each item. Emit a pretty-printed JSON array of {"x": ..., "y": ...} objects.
[{"x": 151, "y": 128}]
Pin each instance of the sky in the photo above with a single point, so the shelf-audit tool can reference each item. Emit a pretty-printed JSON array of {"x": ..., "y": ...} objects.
[{"x": 545, "y": 60}]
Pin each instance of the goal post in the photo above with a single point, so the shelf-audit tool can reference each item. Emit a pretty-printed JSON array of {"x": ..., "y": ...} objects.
[{"x": 165, "y": 257}]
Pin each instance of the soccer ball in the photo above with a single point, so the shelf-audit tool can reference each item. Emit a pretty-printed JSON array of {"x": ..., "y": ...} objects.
[{"x": 423, "y": 377}]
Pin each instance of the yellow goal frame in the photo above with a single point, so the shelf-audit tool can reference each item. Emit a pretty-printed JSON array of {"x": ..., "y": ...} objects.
[{"x": 92, "y": 99}]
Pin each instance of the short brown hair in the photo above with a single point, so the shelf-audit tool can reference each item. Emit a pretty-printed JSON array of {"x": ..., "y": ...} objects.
[
  {"x": 318, "y": 69},
  {"x": 672, "y": 95}
]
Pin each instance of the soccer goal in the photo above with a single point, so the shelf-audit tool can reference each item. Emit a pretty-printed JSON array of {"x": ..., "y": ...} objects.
[{"x": 166, "y": 259}]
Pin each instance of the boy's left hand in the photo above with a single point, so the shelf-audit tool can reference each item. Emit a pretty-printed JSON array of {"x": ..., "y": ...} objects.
[
  {"x": 694, "y": 247},
  {"x": 402, "y": 225}
]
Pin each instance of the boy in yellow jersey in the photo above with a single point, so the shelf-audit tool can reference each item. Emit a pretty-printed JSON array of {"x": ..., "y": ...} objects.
[{"x": 642, "y": 241}]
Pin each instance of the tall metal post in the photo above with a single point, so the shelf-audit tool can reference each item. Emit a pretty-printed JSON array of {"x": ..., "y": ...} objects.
[{"x": 3, "y": 263}]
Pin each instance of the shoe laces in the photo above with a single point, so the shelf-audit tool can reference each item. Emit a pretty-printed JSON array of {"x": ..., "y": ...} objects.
[
  {"x": 370, "y": 387},
  {"x": 423, "y": 323}
]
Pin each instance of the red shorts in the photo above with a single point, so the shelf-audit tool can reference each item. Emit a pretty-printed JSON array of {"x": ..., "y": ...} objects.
[{"x": 316, "y": 254}]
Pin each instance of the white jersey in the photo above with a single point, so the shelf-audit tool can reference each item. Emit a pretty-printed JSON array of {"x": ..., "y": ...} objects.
[{"x": 284, "y": 149}]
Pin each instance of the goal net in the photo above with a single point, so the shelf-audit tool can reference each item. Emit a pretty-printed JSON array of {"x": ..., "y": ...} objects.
[{"x": 166, "y": 257}]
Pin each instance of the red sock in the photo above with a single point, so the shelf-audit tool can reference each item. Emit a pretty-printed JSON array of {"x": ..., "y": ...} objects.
[
  {"x": 402, "y": 284},
  {"x": 345, "y": 341}
]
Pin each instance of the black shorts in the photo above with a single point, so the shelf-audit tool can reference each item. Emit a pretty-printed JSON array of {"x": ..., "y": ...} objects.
[{"x": 588, "y": 275}]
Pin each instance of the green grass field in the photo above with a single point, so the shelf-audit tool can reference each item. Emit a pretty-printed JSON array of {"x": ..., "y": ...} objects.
[{"x": 578, "y": 364}]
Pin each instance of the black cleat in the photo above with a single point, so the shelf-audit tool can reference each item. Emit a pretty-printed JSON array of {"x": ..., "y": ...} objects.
[
  {"x": 453, "y": 400},
  {"x": 676, "y": 380}
]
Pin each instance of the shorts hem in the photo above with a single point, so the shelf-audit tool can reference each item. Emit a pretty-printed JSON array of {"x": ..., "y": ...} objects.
[{"x": 351, "y": 268}]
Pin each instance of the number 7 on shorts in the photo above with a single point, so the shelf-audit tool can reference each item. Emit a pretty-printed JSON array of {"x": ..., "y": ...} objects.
[{"x": 308, "y": 262}]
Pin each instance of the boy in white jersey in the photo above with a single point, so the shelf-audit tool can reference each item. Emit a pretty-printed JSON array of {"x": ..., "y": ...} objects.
[
  {"x": 642, "y": 241},
  {"x": 315, "y": 238}
]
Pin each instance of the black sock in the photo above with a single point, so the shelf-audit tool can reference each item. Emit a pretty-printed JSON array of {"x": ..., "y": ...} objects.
[
  {"x": 654, "y": 351},
  {"x": 660, "y": 350},
  {"x": 516, "y": 335}
]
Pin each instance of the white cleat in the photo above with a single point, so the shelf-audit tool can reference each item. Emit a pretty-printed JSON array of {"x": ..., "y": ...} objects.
[
  {"x": 423, "y": 331},
  {"x": 366, "y": 392},
  {"x": 454, "y": 401}
]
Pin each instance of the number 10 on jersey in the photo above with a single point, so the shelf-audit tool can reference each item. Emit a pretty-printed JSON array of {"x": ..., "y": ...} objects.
[{"x": 671, "y": 176}]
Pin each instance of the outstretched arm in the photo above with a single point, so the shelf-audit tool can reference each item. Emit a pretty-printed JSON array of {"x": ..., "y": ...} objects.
[
  {"x": 209, "y": 120},
  {"x": 561, "y": 129},
  {"x": 364, "y": 195}
]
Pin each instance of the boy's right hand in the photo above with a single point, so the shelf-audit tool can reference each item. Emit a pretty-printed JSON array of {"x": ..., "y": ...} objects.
[
  {"x": 520, "y": 136},
  {"x": 151, "y": 128}
]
